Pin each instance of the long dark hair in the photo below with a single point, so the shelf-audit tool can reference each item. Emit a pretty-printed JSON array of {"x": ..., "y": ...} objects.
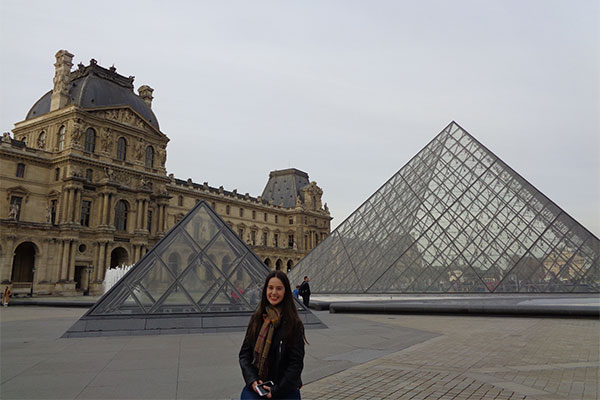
[{"x": 289, "y": 314}]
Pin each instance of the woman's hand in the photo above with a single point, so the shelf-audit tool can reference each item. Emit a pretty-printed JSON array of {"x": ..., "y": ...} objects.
[
  {"x": 255, "y": 384},
  {"x": 268, "y": 389}
]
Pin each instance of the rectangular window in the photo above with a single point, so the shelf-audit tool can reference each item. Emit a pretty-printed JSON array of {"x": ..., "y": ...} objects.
[
  {"x": 89, "y": 174},
  {"x": 253, "y": 214},
  {"x": 265, "y": 217},
  {"x": 241, "y": 232},
  {"x": 264, "y": 239},
  {"x": 20, "y": 170},
  {"x": 57, "y": 174},
  {"x": 86, "y": 206},
  {"x": 14, "y": 212},
  {"x": 291, "y": 220},
  {"x": 241, "y": 212},
  {"x": 253, "y": 238},
  {"x": 290, "y": 241},
  {"x": 227, "y": 210},
  {"x": 276, "y": 219},
  {"x": 275, "y": 240},
  {"x": 53, "y": 204},
  {"x": 149, "y": 221}
]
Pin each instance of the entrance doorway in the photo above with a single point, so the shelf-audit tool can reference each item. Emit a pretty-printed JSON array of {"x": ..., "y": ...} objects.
[{"x": 23, "y": 263}]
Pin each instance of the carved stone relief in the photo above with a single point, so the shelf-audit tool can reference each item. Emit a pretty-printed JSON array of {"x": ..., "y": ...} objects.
[{"x": 76, "y": 133}]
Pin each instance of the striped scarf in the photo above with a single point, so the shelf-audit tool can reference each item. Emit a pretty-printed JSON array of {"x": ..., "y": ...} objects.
[{"x": 271, "y": 321}]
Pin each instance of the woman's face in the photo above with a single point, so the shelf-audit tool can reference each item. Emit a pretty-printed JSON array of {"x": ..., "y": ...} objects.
[{"x": 275, "y": 291}]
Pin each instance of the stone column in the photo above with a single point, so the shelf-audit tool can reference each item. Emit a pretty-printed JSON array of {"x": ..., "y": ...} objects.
[
  {"x": 64, "y": 265},
  {"x": 7, "y": 258},
  {"x": 102, "y": 260},
  {"x": 70, "y": 205},
  {"x": 77, "y": 205},
  {"x": 136, "y": 252},
  {"x": 165, "y": 217},
  {"x": 138, "y": 214},
  {"x": 71, "y": 270},
  {"x": 62, "y": 206},
  {"x": 45, "y": 274},
  {"x": 144, "y": 215},
  {"x": 159, "y": 219},
  {"x": 109, "y": 211},
  {"x": 104, "y": 208}
]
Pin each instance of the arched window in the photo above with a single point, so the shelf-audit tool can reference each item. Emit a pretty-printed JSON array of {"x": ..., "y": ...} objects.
[
  {"x": 149, "y": 157},
  {"x": 60, "y": 143},
  {"x": 90, "y": 140},
  {"x": 121, "y": 149},
  {"x": 227, "y": 209},
  {"x": 121, "y": 215}
]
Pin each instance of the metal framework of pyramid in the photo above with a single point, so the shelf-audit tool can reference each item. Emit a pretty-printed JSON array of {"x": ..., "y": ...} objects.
[
  {"x": 455, "y": 219},
  {"x": 199, "y": 277}
]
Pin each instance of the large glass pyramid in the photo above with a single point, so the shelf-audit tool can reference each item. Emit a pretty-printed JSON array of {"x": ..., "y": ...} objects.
[
  {"x": 455, "y": 218},
  {"x": 199, "y": 277}
]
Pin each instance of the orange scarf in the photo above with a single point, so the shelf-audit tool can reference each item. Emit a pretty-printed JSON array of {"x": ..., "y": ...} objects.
[{"x": 271, "y": 321}]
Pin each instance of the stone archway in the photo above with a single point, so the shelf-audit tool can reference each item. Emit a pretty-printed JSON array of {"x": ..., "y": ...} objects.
[
  {"x": 267, "y": 262},
  {"x": 119, "y": 257},
  {"x": 23, "y": 262},
  {"x": 289, "y": 265},
  {"x": 278, "y": 264}
]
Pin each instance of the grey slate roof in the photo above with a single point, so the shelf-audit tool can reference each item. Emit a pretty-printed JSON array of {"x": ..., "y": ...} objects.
[
  {"x": 283, "y": 187},
  {"x": 96, "y": 87}
]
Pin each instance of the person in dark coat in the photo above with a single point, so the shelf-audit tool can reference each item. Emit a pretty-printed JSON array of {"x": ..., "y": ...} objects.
[
  {"x": 273, "y": 348},
  {"x": 305, "y": 291}
]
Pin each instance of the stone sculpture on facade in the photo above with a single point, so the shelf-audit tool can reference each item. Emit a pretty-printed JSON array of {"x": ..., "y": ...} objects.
[
  {"x": 13, "y": 211},
  {"x": 41, "y": 142},
  {"x": 107, "y": 140}
]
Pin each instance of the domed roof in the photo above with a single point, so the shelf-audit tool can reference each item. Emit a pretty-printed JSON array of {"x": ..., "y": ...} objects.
[{"x": 96, "y": 87}]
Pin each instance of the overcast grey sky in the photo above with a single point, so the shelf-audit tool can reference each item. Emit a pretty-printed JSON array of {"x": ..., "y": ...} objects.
[{"x": 347, "y": 91}]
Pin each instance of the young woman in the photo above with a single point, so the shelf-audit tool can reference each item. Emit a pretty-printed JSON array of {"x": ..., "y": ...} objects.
[{"x": 273, "y": 349}]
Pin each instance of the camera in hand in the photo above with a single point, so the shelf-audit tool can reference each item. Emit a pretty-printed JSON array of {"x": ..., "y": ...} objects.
[{"x": 261, "y": 388}]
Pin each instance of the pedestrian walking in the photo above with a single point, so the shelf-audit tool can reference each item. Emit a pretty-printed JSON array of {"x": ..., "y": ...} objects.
[{"x": 6, "y": 296}]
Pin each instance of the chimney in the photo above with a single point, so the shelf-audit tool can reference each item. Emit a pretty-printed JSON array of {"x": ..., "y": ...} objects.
[
  {"x": 145, "y": 92},
  {"x": 62, "y": 69}
]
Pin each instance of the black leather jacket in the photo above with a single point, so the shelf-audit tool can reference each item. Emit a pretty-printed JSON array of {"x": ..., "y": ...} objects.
[{"x": 285, "y": 362}]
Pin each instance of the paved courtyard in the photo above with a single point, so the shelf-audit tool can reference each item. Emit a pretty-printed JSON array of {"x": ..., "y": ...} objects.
[
  {"x": 477, "y": 358},
  {"x": 358, "y": 356}
]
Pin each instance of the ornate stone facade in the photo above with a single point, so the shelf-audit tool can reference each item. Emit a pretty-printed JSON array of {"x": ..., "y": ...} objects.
[{"x": 84, "y": 184}]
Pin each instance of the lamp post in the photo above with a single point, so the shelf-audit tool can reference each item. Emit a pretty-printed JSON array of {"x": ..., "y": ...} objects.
[
  {"x": 89, "y": 270},
  {"x": 32, "y": 281}
]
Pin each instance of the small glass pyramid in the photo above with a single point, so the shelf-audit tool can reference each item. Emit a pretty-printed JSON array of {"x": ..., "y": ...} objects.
[
  {"x": 455, "y": 218},
  {"x": 200, "y": 272}
]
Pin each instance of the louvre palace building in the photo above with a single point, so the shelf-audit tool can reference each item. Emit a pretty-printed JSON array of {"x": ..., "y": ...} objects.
[{"x": 85, "y": 188}]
